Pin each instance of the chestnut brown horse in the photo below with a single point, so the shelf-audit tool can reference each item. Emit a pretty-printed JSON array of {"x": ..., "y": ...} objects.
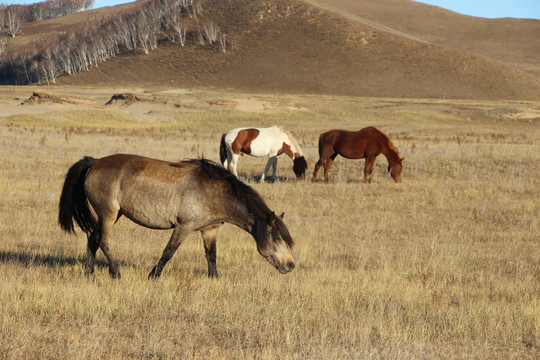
[
  {"x": 367, "y": 143},
  {"x": 194, "y": 195}
]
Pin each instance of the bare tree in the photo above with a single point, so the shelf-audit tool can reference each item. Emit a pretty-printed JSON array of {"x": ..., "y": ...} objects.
[
  {"x": 182, "y": 32},
  {"x": 88, "y": 4},
  {"x": 210, "y": 31},
  {"x": 2, "y": 16},
  {"x": 23, "y": 60},
  {"x": 223, "y": 42},
  {"x": 3, "y": 40},
  {"x": 33, "y": 69},
  {"x": 13, "y": 20},
  {"x": 48, "y": 66},
  {"x": 178, "y": 26}
]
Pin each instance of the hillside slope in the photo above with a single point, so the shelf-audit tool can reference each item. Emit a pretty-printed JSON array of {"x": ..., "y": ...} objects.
[
  {"x": 294, "y": 47},
  {"x": 515, "y": 42}
]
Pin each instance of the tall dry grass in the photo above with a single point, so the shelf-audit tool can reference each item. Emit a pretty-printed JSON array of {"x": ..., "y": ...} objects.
[{"x": 443, "y": 265}]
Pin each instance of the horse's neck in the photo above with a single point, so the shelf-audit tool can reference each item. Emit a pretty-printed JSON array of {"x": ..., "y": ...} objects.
[
  {"x": 297, "y": 152},
  {"x": 236, "y": 213},
  {"x": 391, "y": 154}
]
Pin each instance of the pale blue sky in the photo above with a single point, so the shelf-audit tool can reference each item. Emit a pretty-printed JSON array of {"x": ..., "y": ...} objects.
[
  {"x": 529, "y": 9},
  {"x": 482, "y": 8},
  {"x": 97, "y": 3}
]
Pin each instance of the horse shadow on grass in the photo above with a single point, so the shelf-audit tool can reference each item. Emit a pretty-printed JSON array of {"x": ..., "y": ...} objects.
[
  {"x": 29, "y": 260},
  {"x": 257, "y": 179}
]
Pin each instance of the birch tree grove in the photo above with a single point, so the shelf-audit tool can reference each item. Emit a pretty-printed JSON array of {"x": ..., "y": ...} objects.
[{"x": 139, "y": 29}]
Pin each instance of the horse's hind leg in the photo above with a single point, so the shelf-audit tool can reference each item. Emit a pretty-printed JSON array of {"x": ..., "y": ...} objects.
[
  {"x": 327, "y": 165},
  {"x": 227, "y": 161},
  {"x": 106, "y": 226},
  {"x": 93, "y": 244},
  {"x": 318, "y": 165},
  {"x": 178, "y": 235},
  {"x": 210, "y": 238},
  {"x": 233, "y": 163}
]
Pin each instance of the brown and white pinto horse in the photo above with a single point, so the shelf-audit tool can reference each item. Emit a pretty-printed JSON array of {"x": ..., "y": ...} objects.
[
  {"x": 367, "y": 143},
  {"x": 272, "y": 142},
  {"x": 194, "y": 195}
]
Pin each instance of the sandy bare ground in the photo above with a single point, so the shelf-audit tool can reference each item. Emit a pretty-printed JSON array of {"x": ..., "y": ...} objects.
[
  {"x": 12, "y": 99},
  {"x": 15, "y": 101},
  {"x": 526, "y": 114},
  {"x": 260, "y": 104},
  {"x": 19, "y": 101}
]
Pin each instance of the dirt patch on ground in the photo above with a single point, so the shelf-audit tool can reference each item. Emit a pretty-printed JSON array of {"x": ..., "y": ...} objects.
[
  {"x": 528, "y": 114},
  {"x": 41, "y": 98},
  {"x": 126, "y": 99},
  {"x": 260, "y": 104}
]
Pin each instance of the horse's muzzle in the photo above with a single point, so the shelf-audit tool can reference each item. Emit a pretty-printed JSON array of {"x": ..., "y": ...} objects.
[{"x": 285, "y": 268}]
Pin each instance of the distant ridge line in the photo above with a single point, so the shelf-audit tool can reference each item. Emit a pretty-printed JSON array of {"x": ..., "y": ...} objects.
[{"x": 364, "y": 21}]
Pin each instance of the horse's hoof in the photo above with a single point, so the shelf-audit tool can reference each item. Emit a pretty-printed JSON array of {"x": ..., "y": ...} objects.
[{"x": 153, "y": 274}]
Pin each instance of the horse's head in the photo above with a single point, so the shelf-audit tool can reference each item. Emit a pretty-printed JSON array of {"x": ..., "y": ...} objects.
[
  {"x": 299, "y": 167},
  {"x": 395, "y": 169},
  {"x": 277, "y": 244}
]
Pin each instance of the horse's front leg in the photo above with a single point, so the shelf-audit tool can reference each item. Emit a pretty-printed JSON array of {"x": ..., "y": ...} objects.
[
  {"x": 272, "y": 162},
  {"x": 268, "y": 164},
  {"x": 274, "y": 167},
  {"x": 177, "y": 237},
  {"x": 368, "y": 169},
  {"x": 210, "y": 238}
]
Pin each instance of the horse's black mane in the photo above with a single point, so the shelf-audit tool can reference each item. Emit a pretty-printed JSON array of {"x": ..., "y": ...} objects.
[{"x": 246, "y": 194}]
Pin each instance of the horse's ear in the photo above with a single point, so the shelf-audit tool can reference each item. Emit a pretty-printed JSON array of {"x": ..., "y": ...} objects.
[
  {"x": 282, "y": 215},
  {"x": 271, "y": 219}
]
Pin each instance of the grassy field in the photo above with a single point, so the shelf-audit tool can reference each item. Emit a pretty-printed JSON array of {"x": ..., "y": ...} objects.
[{"x": 444, "y": 265}]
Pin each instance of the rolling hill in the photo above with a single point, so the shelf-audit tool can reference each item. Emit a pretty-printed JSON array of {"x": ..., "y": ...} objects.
[{"x": 391, "y": 48}]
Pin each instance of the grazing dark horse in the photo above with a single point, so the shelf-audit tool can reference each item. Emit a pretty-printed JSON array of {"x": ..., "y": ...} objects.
[
  {"x": 367, "y": 143},
  {"x": 194, "y": 195},
  {"x": 272, "y": 142}
]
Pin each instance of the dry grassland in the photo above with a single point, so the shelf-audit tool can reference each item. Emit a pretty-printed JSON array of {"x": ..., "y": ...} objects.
[{"x": 444, "y": 265}]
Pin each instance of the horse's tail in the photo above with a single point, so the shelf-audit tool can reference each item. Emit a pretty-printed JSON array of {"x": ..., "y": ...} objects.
[
  {"x": 73, "y": 201},
  {"x": 223, "y": 149}
]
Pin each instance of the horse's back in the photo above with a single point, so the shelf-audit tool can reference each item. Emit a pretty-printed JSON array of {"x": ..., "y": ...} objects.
[
  {"x": 353, "y": 144},
  {"x": 148, "y": 191},
  {"x": 126, "y": 167},
  {"x": 239, "y": 140},
  {"x": 255, "y": 141}
]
